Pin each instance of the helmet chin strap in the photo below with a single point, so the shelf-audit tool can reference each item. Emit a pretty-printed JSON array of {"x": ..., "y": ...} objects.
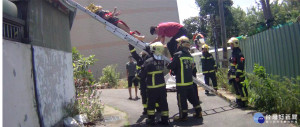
[{"x": 158, "y": 57}]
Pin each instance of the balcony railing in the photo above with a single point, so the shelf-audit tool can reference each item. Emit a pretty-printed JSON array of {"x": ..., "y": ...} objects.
[{"x": 13, "y": 28}]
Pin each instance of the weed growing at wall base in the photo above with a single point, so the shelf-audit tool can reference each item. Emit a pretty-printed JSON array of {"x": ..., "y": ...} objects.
[{"x": 87, "y": 97}]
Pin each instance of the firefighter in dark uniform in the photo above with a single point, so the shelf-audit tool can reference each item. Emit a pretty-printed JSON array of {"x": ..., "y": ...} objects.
[
  {"x": 208, "y": 67},
  {"x": 236, "y": 72},
  {"x": 182, "y": 65},
  {"x": 152, "y": 71},
  {"x": 140, "y": 61}
]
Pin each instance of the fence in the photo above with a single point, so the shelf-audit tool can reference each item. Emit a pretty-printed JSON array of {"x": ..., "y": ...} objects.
[
  {"x": 278, "y": 50},
  {"x": 13, "y": 28}
]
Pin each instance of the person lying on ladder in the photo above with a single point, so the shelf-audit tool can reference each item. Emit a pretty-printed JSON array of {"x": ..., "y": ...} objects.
[{"x": 111, "y": 17}]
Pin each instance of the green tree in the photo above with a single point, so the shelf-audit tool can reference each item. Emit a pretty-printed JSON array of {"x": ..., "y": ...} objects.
[
  {"x": 285, "y": 12},
  {"x": 209, "y": 14},
  {"x": 192, "y": 24}
]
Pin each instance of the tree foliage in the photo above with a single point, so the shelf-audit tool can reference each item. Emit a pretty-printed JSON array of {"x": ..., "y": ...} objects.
[{"x": 237, "y": 21}]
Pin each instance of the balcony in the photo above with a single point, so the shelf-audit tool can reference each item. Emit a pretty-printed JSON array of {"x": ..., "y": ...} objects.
[{"x": 13, "y": 28}]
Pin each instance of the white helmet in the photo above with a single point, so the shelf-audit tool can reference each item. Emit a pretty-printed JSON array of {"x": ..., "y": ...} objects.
[
  {"x": 157, "y": 48},
  {"x": 234, "y": 41}
]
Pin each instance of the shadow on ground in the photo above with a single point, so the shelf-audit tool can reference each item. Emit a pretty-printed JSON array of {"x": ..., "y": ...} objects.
[{"x": 190, "y": 122}]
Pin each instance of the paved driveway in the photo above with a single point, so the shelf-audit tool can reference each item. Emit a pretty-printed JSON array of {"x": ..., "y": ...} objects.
[{"x": 216, "y": 111}]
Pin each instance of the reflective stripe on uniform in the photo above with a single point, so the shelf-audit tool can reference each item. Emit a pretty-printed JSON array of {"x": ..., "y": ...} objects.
[
  {"x": 132, "y": 50},
  {"x": 184, "y": 110},
  {"x": 154, "y": 72},
  {"x": 202, "y": 57},
  {"x": 153, "y": 78},
  {"x": 181, "y": 66},
  {"x": 156, "y": 105},
  {"x": 198, "y": 106},
  {"x": 238, "y": 70},
  {"x": 145, "y": 105},
  {"x": 232, "y": 76},
  {"x": 157, "y": 86},
  {"x": 238, "y": 96},
  {"x": 179, "y": 104},
  {"x": 204, "y": 72},
  {"x": 164, "y": 113},
  {"x": 138, "y": 67},
  {"x": 150, "y": 112},
  {"x": 184, "y": 84}
]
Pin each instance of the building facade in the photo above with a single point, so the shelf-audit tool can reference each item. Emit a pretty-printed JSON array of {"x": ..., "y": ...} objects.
[{"x": 90, "y": 36}]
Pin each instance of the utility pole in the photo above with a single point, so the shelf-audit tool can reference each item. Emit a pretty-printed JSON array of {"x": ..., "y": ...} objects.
[{"x": 223, "y": 34}]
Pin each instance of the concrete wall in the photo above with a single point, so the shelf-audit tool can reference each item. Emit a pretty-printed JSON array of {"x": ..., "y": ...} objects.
[
  {"x": 90, "y": 36},
  {"x": 19, "y": 105},
  {"x": 54, "y": 80},
  {"x": 48, "y": 27}
]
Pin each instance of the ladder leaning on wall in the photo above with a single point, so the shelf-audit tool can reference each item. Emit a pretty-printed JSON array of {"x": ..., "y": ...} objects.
[{"x": 127, "y": 37}]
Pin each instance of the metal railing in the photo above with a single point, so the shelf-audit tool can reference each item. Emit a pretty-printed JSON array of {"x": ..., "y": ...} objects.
[{"x": 13, "y": 28}]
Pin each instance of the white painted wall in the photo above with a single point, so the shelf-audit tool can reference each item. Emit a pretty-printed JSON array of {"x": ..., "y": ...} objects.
[
  {"x": 19, "y": 106},
  {"x": 54, "y": 78}
]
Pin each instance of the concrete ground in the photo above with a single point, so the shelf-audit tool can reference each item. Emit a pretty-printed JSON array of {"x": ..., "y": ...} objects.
[{"x": 216, "y": 111}]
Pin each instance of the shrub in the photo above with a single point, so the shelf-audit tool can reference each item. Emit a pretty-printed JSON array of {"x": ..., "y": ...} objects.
[
  {"x": 110, "y": 76},
  {"x": 268, "y": 93},
  {"x": 273, "y": 94},
  {"x": 87, "y": 100},
  {"x": 222, "y": 80}
]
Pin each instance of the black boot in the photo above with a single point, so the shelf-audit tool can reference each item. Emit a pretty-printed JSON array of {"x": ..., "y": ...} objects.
[
  {"x": 164, "y": 121},
  {"x": 150, "y": 120},
  {"x": 182, "y": 118},
  {"x": 198, "y": 113}
]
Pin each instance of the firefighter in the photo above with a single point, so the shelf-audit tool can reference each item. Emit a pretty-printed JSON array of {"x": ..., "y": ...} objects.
[
  {"x": 152, "y": 71},
  {"x": 140, "y": 61},
  {"x": 182, "y": 65},
  {"x": 208, "y": 67},
  {"x": 198, "y": 40},
  {"x": 236, "y": 73},
  {"x": 143, "y": 87}
]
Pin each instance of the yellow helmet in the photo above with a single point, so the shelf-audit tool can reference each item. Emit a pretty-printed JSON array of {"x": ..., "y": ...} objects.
[
  {"x": 93, "y": 8},
  {"x": 234, "y": 41},
  {"x": 184, "y": 41},
  {"x": 205, "y": 46},
  {"x": 157, "y": 48}
]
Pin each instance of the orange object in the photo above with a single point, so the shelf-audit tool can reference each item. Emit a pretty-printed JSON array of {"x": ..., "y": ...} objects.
[{"x": 242, "y": 59}]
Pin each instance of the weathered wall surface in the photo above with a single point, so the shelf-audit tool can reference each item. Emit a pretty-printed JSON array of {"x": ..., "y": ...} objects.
[
  {"x": 54, "y": 80},
  {"x": 91, "y": 37},
  {"x": 19, "y": 105},
  {"x": 49, "y": 27}
]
